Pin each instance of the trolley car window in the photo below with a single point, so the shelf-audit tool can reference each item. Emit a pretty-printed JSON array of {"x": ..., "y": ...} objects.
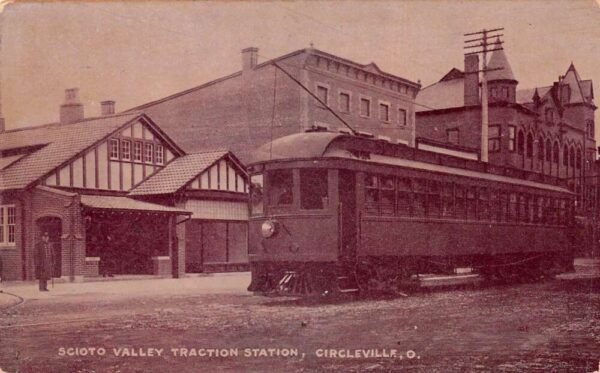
[
  {"x": 447, "y": 200},
  {"x": 256, "y": 194},
  {"x": 471, "y": 203},
  {"x": 459, "y": 195},
  {"x": 387, "y": 195},
  {"x": 513, "y": 207},
  {"x": 420, "y": 190},
  {"x": 313, "y": 189},
  {"x": 434, "y": 202},
  {"x": 495, "y": 210},
  {"x": 404, "y": 199},
  {"x": 484, "y": 204},
  {"x": 280, "y": 187}
]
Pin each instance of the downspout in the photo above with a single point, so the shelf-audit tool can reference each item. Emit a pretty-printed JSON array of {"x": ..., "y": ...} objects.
[
  {"x": 71, "y": 239},
  {"x": 23, "y": 236}
]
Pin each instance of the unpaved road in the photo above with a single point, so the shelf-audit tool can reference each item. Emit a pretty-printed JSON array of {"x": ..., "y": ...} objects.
[{"x": 547, "y": 327}]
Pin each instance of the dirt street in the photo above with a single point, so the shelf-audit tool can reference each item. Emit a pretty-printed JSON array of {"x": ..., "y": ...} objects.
[{"x": 210, "y": 324}]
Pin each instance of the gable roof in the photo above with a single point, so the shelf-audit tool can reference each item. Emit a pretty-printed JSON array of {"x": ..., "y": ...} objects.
[
  {"x": 526, "y": 95},
  {"x": 60, "y": 143},
  {"x": 181, "y": 171},
  {"x": 444, "y": 94}
]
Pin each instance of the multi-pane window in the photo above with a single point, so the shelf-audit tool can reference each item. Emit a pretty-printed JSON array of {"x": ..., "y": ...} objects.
[
  {"x": 159, "y": 154},
  {"x": 344, "y": 102},
  {"x": 149, "y": 152},
  {"x": 8, "y": 220},
  {"x": 323, "y": 94},
  {"x": 453, "y": 135},
  {"x": 380, "y": 194},
  {"x": 402, "y": 117},
  {"x": 114, "y": 149},
  {"x": 420, "y": 197},
  {"x": 137, "y": 151},
  {"x": 404, "y": 197},
  {"x": 365, "y": 107},
  {"x": 384, "y": 112},
  {"x": 447, "y": 200},
  {"x": 494, "y": 138},
  {"x": 126, "y": 150},
  {"x": 511, "y": 138},
  {"x": 505, "y": 92}
]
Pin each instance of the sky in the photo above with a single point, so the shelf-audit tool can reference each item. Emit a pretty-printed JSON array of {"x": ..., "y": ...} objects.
[{"x": 136, "y": 52}]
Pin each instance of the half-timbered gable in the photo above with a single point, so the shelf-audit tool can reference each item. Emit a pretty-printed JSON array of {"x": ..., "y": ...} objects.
[{"x": 119, "y": 161}]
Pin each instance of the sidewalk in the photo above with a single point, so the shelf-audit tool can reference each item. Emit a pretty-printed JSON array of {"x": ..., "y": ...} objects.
[{"x": 216, "y": 283}]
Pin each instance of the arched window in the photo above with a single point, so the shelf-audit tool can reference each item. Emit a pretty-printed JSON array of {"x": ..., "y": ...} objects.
[
  {"x": 578, "y": 163},
  {"x": 520, "y": 142},
  {"x": 548, "y": 150},
  {"x": 566, "y": 156},
  {"x": 541, "y": 149},
  {"x": 529, "y": 146},
  {"x": 555, "y": 152},
  {"x": 572, "y": 157}
]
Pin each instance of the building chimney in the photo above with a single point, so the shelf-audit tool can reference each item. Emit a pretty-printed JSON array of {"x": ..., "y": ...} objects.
[
  {"x": 107, "y": 107},
  {"x": 249, "y": 58},
  {"x": 471, "y": 86},
  {"x": 72, "y": 110}
]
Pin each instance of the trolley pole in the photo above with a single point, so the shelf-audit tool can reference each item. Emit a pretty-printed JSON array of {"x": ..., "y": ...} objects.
[{"x": 483, "y": 43}]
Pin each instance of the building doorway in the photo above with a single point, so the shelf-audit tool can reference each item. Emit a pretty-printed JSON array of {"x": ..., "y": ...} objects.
[{"x": 53, "y": 226}]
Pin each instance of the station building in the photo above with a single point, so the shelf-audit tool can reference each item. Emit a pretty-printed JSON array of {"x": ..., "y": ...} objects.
[
  {"x": 251, "y": 107},
  {"x": 73, "y": 179}
]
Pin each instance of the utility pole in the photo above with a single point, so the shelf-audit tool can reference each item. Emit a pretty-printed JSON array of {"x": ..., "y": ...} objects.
[{"x": 482, "y": 43}]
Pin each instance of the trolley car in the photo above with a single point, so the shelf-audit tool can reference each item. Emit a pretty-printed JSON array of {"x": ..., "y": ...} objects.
[{"x": 334, "y": 212}]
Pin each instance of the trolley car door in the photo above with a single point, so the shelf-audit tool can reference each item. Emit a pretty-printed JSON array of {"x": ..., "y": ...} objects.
[{"x": 347, "y": 213}]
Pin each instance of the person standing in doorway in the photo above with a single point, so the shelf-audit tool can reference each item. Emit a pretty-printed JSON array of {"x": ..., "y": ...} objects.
[{"x": 44, "y": 260}]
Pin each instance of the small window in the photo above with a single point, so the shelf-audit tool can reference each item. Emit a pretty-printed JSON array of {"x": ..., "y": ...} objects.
[
  {"x": 8, "y": 221},
  {"x": 401, "y": 117},
  {"x": 137, "y": 151},
  {"x": 281, "y": 184},
  {"x": 323, "y": 94},
  {"x": 344, "y": 102},
  {"x": 159, "y": 154},
  {"x": 511, "y": 138},
  {"x": 256, "y": 194},
  {"x": 148, "y": 154},
  {"x": 505, "y": 92},
  {"x": 453, "y": 135},
  {"x": 494, "y": 92},
  {"x": 520, "y": 143},
  {"x": 313, "y": 189},
  {"x": 365, "y": 107},
  {"x": 384, "y": 112},
  {"x": 114, "y": 148},
  {"x": 126, "y": 150},
  {"x": 494, "y": 138}
]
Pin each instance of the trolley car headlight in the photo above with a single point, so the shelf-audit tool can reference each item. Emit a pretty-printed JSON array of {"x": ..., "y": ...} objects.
[{"x": 268, "y": 228}]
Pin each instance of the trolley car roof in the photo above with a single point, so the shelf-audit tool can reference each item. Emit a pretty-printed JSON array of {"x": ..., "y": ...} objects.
[{"x": 328, "y": 145}]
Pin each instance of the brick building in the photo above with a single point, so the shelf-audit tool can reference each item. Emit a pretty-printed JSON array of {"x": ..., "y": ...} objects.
[
  {"x": 73, "y": 179},
  {"x": 547, "y": 129},
  {"x": 250, "y": 107}
]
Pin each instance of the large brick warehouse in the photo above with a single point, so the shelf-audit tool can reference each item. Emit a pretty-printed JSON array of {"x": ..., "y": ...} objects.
[{"x": 73, "y": 179}]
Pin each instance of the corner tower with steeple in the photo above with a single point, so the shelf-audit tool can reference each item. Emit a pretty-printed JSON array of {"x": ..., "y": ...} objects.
[{"x": 502, "y": 84}]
